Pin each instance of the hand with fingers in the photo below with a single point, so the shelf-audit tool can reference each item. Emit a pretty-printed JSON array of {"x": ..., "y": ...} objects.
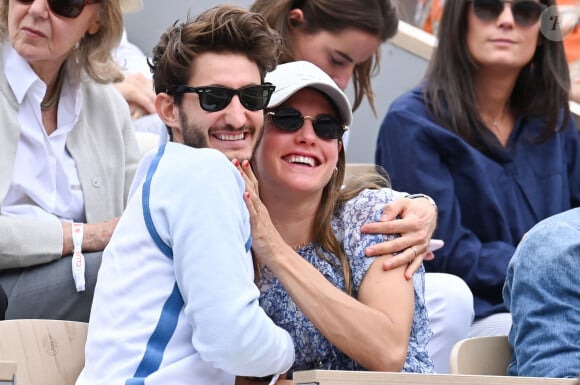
[
  {"x": 415, "y": 220},
  {"x": 266, "y": 240}
]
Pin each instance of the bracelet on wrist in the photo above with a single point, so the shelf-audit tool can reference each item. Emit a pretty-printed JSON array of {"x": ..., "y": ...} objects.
[{"x": 78, "y": 259}]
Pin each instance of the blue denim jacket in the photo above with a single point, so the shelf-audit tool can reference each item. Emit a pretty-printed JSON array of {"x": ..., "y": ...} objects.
[{"x": 542, "y": 292}]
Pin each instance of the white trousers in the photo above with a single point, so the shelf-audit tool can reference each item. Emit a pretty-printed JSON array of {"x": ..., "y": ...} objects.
[{"x": 450, "y": 309}]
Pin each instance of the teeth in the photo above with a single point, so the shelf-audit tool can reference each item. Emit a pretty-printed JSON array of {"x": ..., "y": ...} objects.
[
  {"x": 301, "y": 159},
  {"x": 230, "y": 137}
]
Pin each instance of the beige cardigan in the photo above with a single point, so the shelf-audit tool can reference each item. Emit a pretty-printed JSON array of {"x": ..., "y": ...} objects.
[{"x": 104, "y": 147}]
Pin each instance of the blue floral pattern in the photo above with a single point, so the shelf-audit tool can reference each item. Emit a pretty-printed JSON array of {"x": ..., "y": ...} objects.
[{"x": 313, "y": 350}]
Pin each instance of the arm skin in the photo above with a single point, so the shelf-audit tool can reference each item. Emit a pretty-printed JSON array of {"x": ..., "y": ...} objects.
[
  {"x": 95, "y": 236},
  {"x": 373, "y": 330}
]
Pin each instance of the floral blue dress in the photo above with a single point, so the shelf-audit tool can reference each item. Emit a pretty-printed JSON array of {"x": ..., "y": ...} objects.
[{"x": 313, "y": 350}]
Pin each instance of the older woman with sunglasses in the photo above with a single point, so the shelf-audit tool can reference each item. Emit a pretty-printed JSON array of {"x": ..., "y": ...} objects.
[
  {"x": 489, "y": 136},
  {"x": 67, "y": 151},
  {"x": 341, "y": 308}
]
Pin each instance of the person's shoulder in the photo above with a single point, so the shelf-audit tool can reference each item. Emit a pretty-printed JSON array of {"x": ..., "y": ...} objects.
[
  {"x": 569, "y": 218},
  {"x": 178, "y": 169},
  {"x": 91, "y": 87},
  {"x": 366, "y": 200},
  {"x": 409, "y": 115},
  {"x": 411, "y": 100},
  {"x": 372, "y": 195},
  {"x": 181, "y": 153},
  {"x": 195, "y": 162},
  {"x": 102, "y": 97},
  {"x": 180, "y": 149}
]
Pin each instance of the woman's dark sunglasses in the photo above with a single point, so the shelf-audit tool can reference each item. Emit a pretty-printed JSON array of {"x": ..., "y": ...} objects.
[
  {"x": 525, "y": 12},
  {"x": 291, "y": 120},
  {"x": 216, "y": 98},
  {"x": 65, "y": 8}
]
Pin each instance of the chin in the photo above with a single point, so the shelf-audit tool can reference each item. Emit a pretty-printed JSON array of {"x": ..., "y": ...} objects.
[{"x": 239, "y": 155}]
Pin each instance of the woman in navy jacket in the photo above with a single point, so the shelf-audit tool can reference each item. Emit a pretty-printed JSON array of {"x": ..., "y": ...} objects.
[{"x": 489, "y": 136}]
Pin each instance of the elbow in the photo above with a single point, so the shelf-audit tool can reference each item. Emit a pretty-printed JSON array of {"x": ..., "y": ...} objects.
[{"x": 391, "y": 359}]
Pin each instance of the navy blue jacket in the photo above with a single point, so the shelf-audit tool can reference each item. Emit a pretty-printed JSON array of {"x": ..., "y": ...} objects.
[{"x": 486, "y": 201}]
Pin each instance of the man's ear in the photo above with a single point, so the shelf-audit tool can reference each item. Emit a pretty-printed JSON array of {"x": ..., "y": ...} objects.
[{"x": 168, "y": 112}]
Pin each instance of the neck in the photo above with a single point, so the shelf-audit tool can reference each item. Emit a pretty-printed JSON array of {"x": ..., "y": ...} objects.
[
  {"x": 292, "y": 215},
  {"x": 493, "y": 92},
  {"x": 52, "y": 94}
]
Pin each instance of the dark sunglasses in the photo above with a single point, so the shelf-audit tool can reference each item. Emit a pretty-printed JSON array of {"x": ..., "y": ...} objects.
[
  {"x": 216, "y": 98},
  {"x": 65, "y": 8},
  {"x": 291, "y": 120},
  {"x": 525, "y": 12}
]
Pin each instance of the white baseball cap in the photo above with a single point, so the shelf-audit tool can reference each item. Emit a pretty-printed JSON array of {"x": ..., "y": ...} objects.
[
  {"x": 290, "y": 78},
  {"x": 128, "y": 6}
]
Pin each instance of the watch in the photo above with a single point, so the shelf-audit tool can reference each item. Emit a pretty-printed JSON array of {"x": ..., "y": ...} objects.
[{"x": 429, "y": 199}]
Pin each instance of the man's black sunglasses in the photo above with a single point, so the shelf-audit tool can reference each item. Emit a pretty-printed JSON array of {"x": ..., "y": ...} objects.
[
  {"x": 216, "y": 98},
  {"x": 291, "y": 120},
  {"x": 525, "y": 12},
  {"x": 65, "y": 8}
]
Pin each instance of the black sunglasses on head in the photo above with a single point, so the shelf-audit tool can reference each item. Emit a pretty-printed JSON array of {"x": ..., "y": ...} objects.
[
  {"x": 291, "y": 120},
  {"x": 65, "y": 8},
  {"x": 216, "y": 98},
  {"x": 525, "y": 12}
]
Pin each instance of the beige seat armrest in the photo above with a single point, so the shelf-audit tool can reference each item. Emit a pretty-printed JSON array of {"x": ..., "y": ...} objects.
[{"x": 7, "y": 372}]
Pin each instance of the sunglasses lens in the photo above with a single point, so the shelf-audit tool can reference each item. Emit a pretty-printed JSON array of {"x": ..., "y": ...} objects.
[
  {"x": 287, "y": 119},
  {"x": 527, "y": 13},
  {"x": 255, "y": 98},
  {"x": 214, "y": 99},
  {"x": 290, "y": 120},
  {"x": 487, "y": 10},
  {"x": 326, "y": 127},
  {"x": 67, "y": 8}
]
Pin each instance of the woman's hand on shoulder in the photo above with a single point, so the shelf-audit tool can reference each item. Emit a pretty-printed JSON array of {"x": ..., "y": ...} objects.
[
  {"x": 266, "y": 240},
  {"x": 415, "y": 220}
]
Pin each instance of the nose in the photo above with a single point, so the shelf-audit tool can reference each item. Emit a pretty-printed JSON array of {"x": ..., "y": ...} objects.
[
  {"x": 306, "y": 133},
  {"x": 235, "y": 113},
  {"x": 506, "y": 17},
  {"x": 342, "y": 77},
  {"x": 38, "y": 8}
]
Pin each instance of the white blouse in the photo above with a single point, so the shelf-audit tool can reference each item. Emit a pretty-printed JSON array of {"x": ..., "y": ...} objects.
[{"x": 45, "y": 181}]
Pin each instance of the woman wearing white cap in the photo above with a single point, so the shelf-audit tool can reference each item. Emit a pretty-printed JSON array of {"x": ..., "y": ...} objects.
[
  {"x": 344, "y": 39},
  {"x": 67, "y": 151},
  {"x": 341, "y": 308}
]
